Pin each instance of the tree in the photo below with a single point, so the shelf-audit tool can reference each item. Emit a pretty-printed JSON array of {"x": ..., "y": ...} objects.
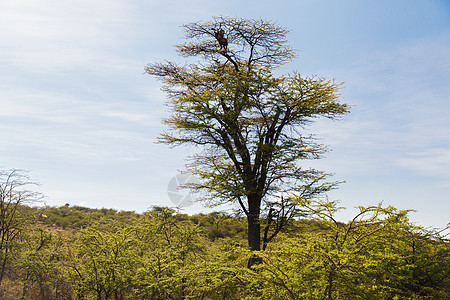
[
  {"x": 14, "y": 192},
  {"x": 424, "y": 270},
  {"x": 170, "y": 251},
  {"x": 106, "y": 263},
  {"x": 41, "y": 264},
  {"x": 247, "y": 120}
]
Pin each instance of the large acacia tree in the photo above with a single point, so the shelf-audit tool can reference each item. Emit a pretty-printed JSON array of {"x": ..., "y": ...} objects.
[{"x": 248, "y": 121}]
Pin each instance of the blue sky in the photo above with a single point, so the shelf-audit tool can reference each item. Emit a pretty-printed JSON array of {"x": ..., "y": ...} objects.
[{"x": 77, "y": 110}]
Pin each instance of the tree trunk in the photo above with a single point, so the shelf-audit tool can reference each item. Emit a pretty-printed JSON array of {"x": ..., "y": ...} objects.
[
  {"x": 254, "y": 232},
  {"x": 254, "y": 228},
  {"x": 3, "y": 263},
  {"x": 329, "y": 288}
]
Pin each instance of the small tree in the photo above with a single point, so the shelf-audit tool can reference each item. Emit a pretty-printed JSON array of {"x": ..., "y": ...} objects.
[
  {"x": 14, "y": 192},
  {"x": 170, "y": 251},
  {"x": 248, "y": 120},
  {"x": 106, "y": 263},
  {"x": 42, "y": 264}
]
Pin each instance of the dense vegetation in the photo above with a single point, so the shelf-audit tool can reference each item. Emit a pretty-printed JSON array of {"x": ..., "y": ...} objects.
[{"x": 73, "y": 252}]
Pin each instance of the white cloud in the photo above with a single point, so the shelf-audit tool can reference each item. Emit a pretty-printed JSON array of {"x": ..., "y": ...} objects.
[
  {"x": 58, "y": 126},
  {"x": 127, "y": 116}
]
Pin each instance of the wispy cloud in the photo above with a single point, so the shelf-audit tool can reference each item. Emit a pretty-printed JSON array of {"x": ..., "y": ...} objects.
[
  {"x": 47, "y": 35},
  {"x": 431, "y": 162},
  {"x": 401, "y": 107}
]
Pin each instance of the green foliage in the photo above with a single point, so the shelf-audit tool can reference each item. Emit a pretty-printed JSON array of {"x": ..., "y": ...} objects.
[
  {"x": 77, "y": 217},
  {"x": 105, "y": 263},
  {"x": 164, "y": 255},
  {"x": 367, "y": 258},
  {"x": 218, "y": 225},
  {"x": 41, "y": 264},
  {"x": 167, "y": 248}
]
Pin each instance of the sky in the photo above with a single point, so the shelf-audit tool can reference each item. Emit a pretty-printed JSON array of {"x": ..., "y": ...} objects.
[{"x": 79, "y": 113}]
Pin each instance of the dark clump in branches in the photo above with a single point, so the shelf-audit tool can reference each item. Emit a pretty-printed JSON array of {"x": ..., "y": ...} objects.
[{"x": 220, "y": 36}]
